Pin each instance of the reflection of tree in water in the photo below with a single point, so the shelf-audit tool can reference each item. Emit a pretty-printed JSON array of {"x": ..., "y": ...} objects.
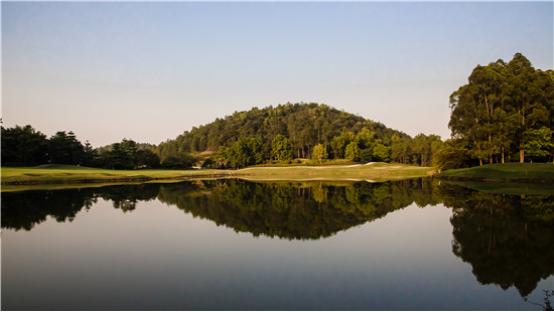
[
  {"x": 24, "y": 210},
  {"x": 508, "y": 239},
  {"x": 126, "y": 197}
]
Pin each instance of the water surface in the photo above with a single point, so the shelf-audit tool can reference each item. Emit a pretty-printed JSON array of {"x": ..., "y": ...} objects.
[{"x": 232, "y": 244}]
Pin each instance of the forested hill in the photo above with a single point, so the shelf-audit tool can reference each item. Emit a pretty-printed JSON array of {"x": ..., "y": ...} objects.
[{"x": 305, "y": 125}]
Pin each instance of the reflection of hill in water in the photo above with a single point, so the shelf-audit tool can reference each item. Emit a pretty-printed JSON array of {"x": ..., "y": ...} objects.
[
  {"x": 507, "y": 239},
  {"x": 291, "y": 210}
]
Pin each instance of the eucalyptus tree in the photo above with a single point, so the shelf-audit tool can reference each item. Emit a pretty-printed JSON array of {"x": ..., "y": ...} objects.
[
  {"x": 522, "y": 92},
  {"x": 501, "y": 102}
]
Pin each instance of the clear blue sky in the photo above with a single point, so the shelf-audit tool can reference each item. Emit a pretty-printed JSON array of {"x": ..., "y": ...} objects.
[{"x": 149, "y": 71}]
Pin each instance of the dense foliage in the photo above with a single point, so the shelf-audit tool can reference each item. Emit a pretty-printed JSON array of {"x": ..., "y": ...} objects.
[
  {"x": 26, "y": 146},
  {"x": 305, "y": 125},
  {"x": 421, "y": 150},
  {"x": 504, "y": 113},
  {"x": 126, "y": 154}
]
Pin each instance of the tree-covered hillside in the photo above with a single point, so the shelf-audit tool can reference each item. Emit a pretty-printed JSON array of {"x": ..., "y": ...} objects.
[{"x": 302, "y": 125}]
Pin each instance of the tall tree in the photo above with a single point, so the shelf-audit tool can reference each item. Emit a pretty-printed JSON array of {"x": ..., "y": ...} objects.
[
  {"x": 525, "y": 94},
  {"x": 64, "y": 148},
  {"x": 401, "y": 149},
  {"x": 352, "y": 151}
]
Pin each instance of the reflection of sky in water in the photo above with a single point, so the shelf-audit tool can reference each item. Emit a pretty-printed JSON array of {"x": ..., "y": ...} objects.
[{"x": 157, "y": 257}]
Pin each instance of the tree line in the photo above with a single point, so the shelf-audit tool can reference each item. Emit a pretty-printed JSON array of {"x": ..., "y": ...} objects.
[
  {"x": 504, "y": 113},
  {"x": 25, "y": 146},
  {"x": 274, "y": 134}
]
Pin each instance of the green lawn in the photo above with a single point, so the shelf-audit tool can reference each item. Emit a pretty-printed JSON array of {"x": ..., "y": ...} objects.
[
  {"x": 308, "y": 162},
  {"x": 512, "y": 172},
  {"x": 76, "y": 175}
]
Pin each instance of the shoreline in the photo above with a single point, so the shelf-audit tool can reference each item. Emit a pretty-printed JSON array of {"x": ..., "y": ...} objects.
[{"x": 370, "y": 172}]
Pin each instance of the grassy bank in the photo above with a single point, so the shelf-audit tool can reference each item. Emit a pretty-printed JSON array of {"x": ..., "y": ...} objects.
[
  {"x": 73, "y": 174},
  {"x": 512, "y": 172},
  {"x": 77, "y": 175}
]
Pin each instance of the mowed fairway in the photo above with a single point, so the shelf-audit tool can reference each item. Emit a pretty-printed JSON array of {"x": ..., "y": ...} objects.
[
  {"x": 361, "y": 172},
  {"x": 78, "y": 175}
]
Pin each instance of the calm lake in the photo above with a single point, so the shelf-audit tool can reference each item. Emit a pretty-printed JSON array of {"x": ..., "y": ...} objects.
[{"x": 232, "y": 244}]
